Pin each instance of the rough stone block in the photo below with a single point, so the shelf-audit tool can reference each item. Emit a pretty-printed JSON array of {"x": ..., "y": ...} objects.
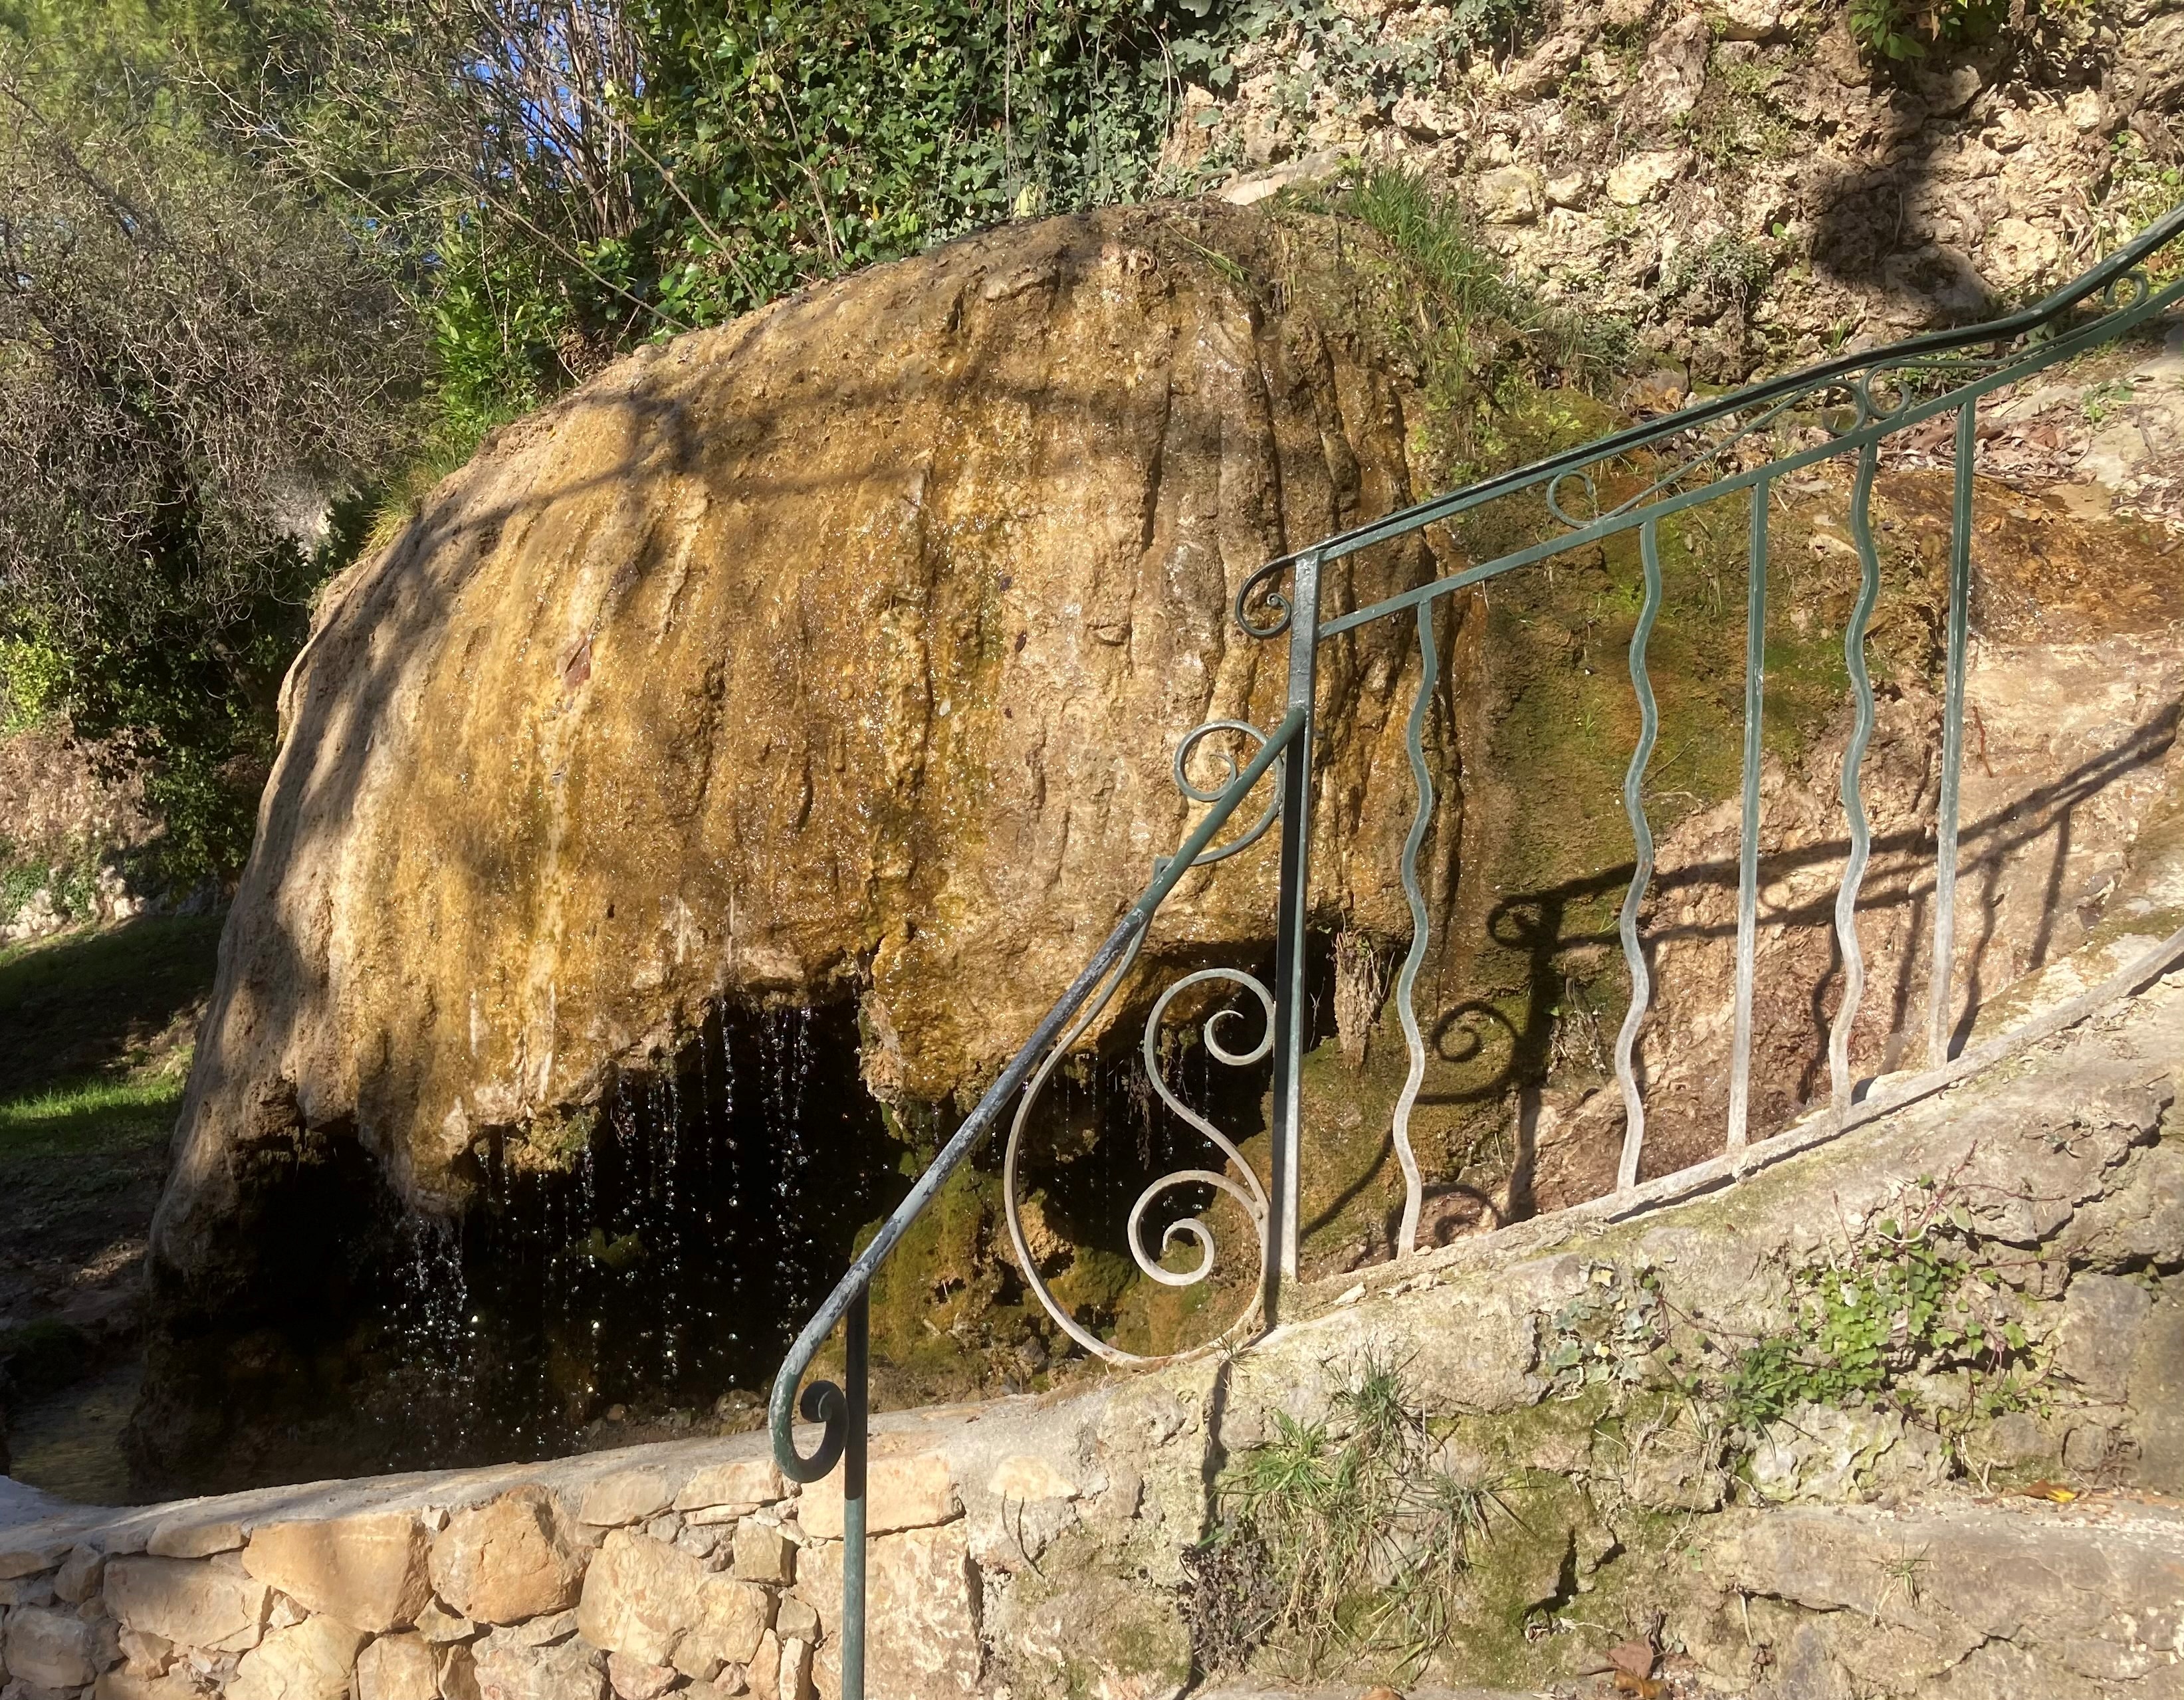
[
  {"x": 123, "y": 1684},
  {"x": 505, "y": 1670},
  {"x": 1642, "y": 176},
  {"x": 2157, "y": 1397},
  {"x": 458, "y": 1671},
  {"x": 660, "y": 1605},
  {"x": 369, "y": 1570},
  {"x": 27, "y": 1591},
  {"x": 22, "y": 1555},
  {"x": 397, "y": 1667},
  {"x": 793, "y": 1678},
  {"x": 49, "y": 1648},
  {"x": 2010, "y": 1439},
  {"x": 541, "y": 1631},
  {"x": 764, "y": 1674},
  {"x": 763, "y": 1553},
  {"x": 634, "y": 1679},
  {"x": 795, "y": 1619},
  {"x": 914, "y": 1492},
  {"x": 1087, "y": 1631},
  {"x": 1025, "y": 1477},
  {"x": 146, "y": 1655},
  {"x": 313, "y": 1660},
  {"x": 626, "y": 1497},
  {"x": 187, "y": 1537},
  {"x": 2102, "y": 1315},
  {"x": 78, "y": 1579},
  {"x": 187, "y": 1602},
  {"x": 509, "y": 1559},
  {"x": 747, "y": 1482},
  {"x": 438, "y": 1625},
  {"x": 1818, "y": 1453},
  {"x": 922, "y": 1612}
]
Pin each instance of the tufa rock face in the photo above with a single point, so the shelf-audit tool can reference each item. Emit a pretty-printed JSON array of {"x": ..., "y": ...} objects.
[{"x": 839, "y": 652}]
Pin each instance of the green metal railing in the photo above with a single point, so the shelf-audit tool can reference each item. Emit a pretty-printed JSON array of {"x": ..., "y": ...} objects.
[{"x": 1741, "y": 442}]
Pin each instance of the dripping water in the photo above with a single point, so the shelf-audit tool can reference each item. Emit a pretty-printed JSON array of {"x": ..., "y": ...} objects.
[{"x": 669, "y": 1263}]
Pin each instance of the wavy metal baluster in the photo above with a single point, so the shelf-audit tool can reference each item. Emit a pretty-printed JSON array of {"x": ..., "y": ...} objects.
[
  {"x": 1747, "y": 854},
  {"x": 1853, "y": 797},
  {"x": 1942, "y": 974},
  {"x": 1641, "y": 834},
  {"x": 1406, "y": 981}
]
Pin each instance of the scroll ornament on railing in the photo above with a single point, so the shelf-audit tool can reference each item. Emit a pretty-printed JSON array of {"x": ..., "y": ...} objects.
[{"x": 1236, "y": 1179}]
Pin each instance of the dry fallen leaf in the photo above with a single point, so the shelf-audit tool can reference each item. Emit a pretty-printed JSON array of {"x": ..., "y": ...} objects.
[
  {"x": 1645, "y": 1687},
  {"x": 1632, "y": 1658},
  {"x": 2053, "y": 1491}
]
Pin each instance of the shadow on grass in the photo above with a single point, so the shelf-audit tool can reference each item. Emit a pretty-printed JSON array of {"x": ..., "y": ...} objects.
[{"x": 98, "y": 1000}]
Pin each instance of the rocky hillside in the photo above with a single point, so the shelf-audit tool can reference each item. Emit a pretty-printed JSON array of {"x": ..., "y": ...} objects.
[
  {"x": 1745, "y": 184},
  {"x": 1748, "y": 184},
  {"x": 75, "y": 834}
]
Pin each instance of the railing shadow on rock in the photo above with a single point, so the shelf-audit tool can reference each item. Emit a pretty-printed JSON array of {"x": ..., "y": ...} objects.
[{"x": 1737, "y": 444}]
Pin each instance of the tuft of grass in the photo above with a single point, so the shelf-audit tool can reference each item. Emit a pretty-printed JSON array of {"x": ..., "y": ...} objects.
[
  {"x": 1485, "y": 313},
  {"x": 1340, "y": 1539}
]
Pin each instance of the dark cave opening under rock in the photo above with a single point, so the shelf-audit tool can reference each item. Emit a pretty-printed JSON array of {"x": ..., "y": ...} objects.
[
  {"x": 638, "y": 1266},
  {"x": 665, "y": 1264}
]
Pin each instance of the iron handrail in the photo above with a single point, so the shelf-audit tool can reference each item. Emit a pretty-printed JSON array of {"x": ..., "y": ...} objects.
[
  {"x": 1935, "y": 360},
  {"x": 841, "y": 1412}
]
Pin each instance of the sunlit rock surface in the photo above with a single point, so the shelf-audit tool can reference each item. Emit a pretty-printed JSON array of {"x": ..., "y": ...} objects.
[{"x": 837, "y": 653}]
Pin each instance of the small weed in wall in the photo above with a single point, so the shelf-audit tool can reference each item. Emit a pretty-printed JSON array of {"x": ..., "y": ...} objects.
[
  {"x": 1340, "y": 1539},
  {"x": 1910, "y": 1295}
]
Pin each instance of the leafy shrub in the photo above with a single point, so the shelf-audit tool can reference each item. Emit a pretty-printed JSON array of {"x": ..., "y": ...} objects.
[{"x": 1902, "y": 30}]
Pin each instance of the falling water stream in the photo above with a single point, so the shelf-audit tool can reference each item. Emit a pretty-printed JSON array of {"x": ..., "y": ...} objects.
[
  {"x": 668, "y": 1266},
  {"x": 650, "y": 1274}
]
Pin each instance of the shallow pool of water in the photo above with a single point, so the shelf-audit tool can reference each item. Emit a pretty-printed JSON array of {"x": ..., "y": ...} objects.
[{"x": 71, "y": 1444}]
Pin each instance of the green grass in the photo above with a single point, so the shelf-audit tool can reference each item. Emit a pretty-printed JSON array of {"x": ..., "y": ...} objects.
[
  {"x": 95, "y": 1001},
  {"x": 91, "y": 1113},
  {"x": 1472, "y": 285},
  {"x": 98, "y": 1026}
]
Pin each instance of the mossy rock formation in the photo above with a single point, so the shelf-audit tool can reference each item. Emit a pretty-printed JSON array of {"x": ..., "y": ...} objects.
[{"x": 838, "y": 652}]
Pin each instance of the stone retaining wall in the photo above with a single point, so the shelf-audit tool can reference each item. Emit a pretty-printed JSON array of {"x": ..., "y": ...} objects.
[{"x": 1036, "y": 1548}]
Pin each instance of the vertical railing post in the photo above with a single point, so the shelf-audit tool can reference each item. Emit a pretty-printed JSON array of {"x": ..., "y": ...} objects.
[
  {"x": 1642, "y": 840},
  {"x": 1942, "y": 974},
  {"x": 1291, "y": 1027},
  {"x": 1747, "y": 849},
  {"x": 1840, "y": 1084},
  {"x": 856, "y": 1332}
]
